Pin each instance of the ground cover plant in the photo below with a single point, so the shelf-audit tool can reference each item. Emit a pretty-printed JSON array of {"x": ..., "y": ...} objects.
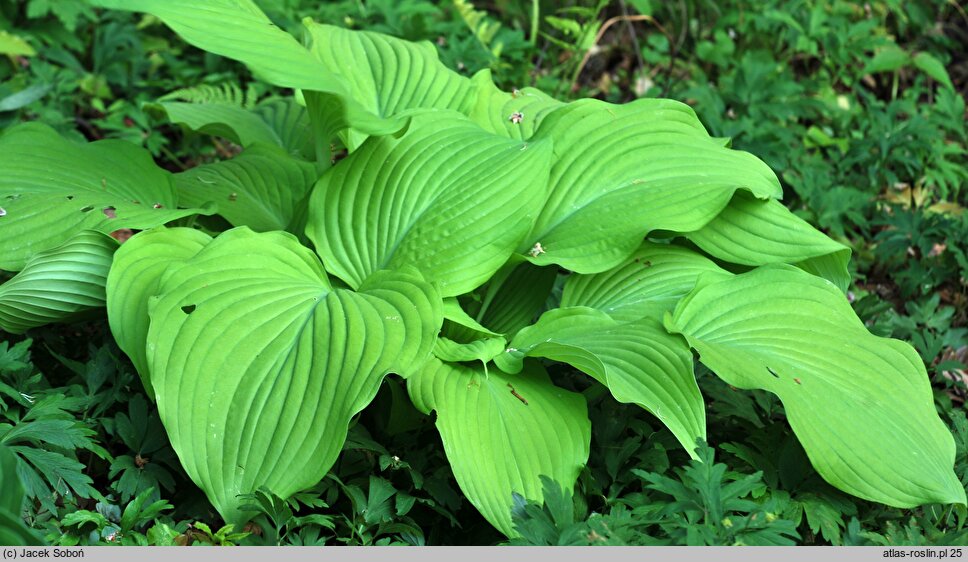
[{"x": 548, "y": 303}]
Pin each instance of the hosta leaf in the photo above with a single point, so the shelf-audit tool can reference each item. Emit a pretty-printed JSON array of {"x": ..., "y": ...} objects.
[
  {"x": 754, "y": 232},
  {"x": 515, "y": 296},
  {"x": 135, "y": 277},
  {"x": 239, "y": 30},
  {"x": 502, "y": 432},
  {"x": 52, "y": 188},
  {"x": 861, "y": 405},
  {"x": 279, "y": 122},
  {"x": 262, "y": 188},
  {"x": 258, "y": 364},
  {"x": 388, "y": 75},
  {"x": 477, "y": 350},
  {"x": 647, "y": 284},
  {"x": 59, "y": 284},
  {"x": 446, "y": 197},
  {"x": 516, "y": 114},
  {"x": 639, "y": 362},
  {"x": 621, "y": 171}
]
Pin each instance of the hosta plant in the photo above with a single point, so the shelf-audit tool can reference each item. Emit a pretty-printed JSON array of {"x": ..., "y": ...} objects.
[{"x": 431, "y": 251}]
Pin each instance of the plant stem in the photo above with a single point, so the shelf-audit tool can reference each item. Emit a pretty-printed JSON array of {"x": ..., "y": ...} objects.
[{"x": 535, "y": 14}]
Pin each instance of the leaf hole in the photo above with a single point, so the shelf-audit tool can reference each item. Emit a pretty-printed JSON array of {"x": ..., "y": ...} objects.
[
  {"x": 188, "y": 308},
  {"x": 87, "y": 209},
  {"x": 109, "y": 212},
  {"x": 772, "y": 372},
  {"x": 70, "y": 197},
  {"x": 3, "y": 212}
]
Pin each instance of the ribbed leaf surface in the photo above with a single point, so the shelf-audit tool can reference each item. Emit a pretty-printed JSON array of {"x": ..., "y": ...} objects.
[
  {"x": 258, "y": 364},
  {"x": 621, "y": 171},
  {"x": 647, "y": 284},
  {"x": 861, "y": 405},
  {"x": 58, "y": 284},
  {"x": 639, "y": 362},
  {"x": 135, "y": 277},
  {"x": 754, "y": 232},
  {"x": 502, "y": 432},
  {"x": 446, "y": 197},
  {"x": 516, "y": 114},
  {"x": 262, "y": 188},
  {"x": 52, "y": 188}
]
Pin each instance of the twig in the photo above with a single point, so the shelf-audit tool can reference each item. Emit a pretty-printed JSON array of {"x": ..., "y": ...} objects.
[{"x": 601, "y": 32}]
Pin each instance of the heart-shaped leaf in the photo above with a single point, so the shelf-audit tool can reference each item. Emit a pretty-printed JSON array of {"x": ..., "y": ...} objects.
[
  {"x": 622, "y": 171},
  {"x": 639, "y": 362},
  {"x": 446, "y": 197},
  {"x": 861, "y": 405},
  {"x": 59, "y": 284},
  {"x": 258, "y": 363},
  {"x": 52, "y": 188},
  {"x": 135, "y": 277},
  {"x": 502, "y": 432}
]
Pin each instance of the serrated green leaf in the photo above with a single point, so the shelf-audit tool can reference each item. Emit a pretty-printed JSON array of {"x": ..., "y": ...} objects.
[
  {"x": 258, "y": 364},
  {"x": 754, "y": 232},
  {"x": 861, "y": 405},
  {"x": 135, "y": 277},
  {"x": 501, "y": 432},
  {"x": 647, "y": 284},
  {"x": 52, "y": 188},
  {"x": 622, "y": 171},
  {"x": 262, "y": 188},
  {"x": 638, "y": 361},
  {"x": 59, "y": 284},
  {"x": 437, "y": 198}
]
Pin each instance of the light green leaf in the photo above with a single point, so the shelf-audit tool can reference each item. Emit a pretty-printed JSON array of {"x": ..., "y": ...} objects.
[
  {"x": 262, "y": 188},
  {"x": 59, "y": 284},
  {"x": 238, "y": 29},
  {"x": 52, "y": 188},
  {"x": 861, "y": 405},
  {"x": 387, "y": 75},
  {"x": 135, "y": 277},
  {"x": 647, "y": 284},
  {"x": 454, "y": 313},
  {"x": 495, "y": 110},
  {"x": 754, "y": 232},
  {"x": 502, "y": 432},
  {"x": 515, "y": 296},
  {"x": 933, "y": 68},
  {"x": 621, "y": 171},
  {"x": 477, "y": 350},
  {"x": 13, "y": 45},
  {"x": 258, "y": 364},
  {"x": 639, "y": 362},
  {"x": 13, "y": 531},
  {"x": 446, "y": 197},
  {"x": 888, "y": 59}
]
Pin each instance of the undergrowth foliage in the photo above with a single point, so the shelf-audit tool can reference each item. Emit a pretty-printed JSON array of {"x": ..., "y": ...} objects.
[{"x": 395, "y": 217}]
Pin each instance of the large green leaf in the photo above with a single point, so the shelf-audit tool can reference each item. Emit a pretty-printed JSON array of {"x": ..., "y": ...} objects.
[
  {"x": 516, "y": 114},
  {"x": 502, "y": 432},
  {"x": 51, "y": 188},
  {"x": 239, "y": 30},
  {"x": 515, "y": 296},
  {"x": 639, "y": 362},
  {"x": 280, "y": 122},
  {"x": 754, "y": 232},
  {"x": 135, "y": 277},
  {"x": 861, "y": 405},
  {"x": 258, "y": 363},
  {"x": 59, "y": 284},
  {"x": 621, "y": 171},
  {"x": 263, "y": 188},
  {"x": 446, "y": 197},
  {"x": 647, "y": 284},
  {"x": 388, "y": 75}
]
